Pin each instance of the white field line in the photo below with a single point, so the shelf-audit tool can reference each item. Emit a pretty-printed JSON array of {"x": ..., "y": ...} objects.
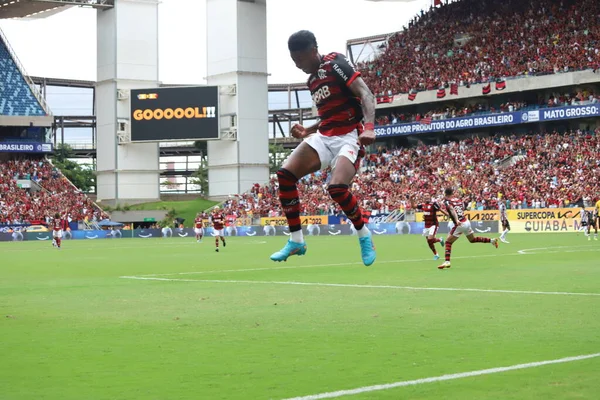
[
  {"x": 549, "y": 250},
  {"x": 366, "y": 389},
  {"x": 149, "y": 278},
  {"x": 519, "y": 253}
]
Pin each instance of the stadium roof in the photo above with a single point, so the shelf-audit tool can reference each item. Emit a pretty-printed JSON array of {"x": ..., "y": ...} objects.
[{"x": 45, "y": 8}]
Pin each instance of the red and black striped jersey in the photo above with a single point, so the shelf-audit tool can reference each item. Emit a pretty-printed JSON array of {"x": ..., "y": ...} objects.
[
  {"x": 458, "y": 207},
  {"x": 218, "y": 220},
  {"x": 429, "y": 213},
  {"x": 339, "y": 109}
]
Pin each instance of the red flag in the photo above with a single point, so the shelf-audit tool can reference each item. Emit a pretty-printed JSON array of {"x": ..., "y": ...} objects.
[
  {"x": 441, "y": 93},
  {"x": 437, "y": 3},
  {"x": 487, "y": 89},
  {"x": 500, "y": 84},
  {"x": 412, "y": 95},
  {"x": 426, "y": 121},
  {"x": 454, "y": 88}
]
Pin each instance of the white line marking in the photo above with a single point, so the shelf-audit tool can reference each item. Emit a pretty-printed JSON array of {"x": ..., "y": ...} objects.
[
  {"x": 148, "y": 278},
  {"x": 519, "y": 253},
  {"x": 548, "y": 250},
  {"x": 365, "y": 389},
  {"x": 323, "y": 265}
]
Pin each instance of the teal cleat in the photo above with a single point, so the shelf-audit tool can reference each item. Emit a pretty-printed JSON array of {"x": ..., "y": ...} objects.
[
  {"x": 442, "y": 241},
  {"x": 290, "y": 249},
  {"x": 436, "y": 257},
  {"x": 367, "y": 250}
]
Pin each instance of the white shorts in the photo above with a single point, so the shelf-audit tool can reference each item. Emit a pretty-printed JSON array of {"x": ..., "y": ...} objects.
[
  {"x": 464, "y": 227},
  {"x": 199, "y": 231},
  {"x": 218, "y": 232},
  {"x": 431, "y": 231},
  {"x": 331, "y": 148},
  {"x": 57, "y": 234}
]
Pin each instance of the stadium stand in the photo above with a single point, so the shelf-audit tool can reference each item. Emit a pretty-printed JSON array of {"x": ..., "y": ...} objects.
[
  {"x": 16, "y": 97},
  {"x": 57, "y": 194},
  {"x": 475, "y": 41},
  {"x": 528, "y": 171}
]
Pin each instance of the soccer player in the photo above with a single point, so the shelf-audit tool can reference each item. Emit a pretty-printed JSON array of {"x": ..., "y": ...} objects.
[
  {"x": 57, "y": 230},
  {"x": 592, "y": 218},
  {"x": 198, "y": 228},
  {"x": 344, "y": 102},
  {"x": 584, "y": 221},
  {"x": 217, "y": 220},
  {"x": 504, "y": 221},
  {"x": 455, "y": 209},
  {"x": 432, "y": 224}
]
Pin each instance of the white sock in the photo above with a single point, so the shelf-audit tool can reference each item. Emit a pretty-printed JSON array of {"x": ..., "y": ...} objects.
[
  {"x": 363, "y": 232},
  {"x": 504, "y": 233},
  {"x": 298, "y": 237}
]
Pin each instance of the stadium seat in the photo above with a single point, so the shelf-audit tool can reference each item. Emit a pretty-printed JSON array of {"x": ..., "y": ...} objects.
[{"x": 16, "y": 98}]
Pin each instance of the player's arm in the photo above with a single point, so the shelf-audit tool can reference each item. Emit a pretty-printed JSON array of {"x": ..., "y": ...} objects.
[
  {"x": 367, "y": 102},
  {"x": 452, "y": 213},
  {"x": 351, "y": 78}
]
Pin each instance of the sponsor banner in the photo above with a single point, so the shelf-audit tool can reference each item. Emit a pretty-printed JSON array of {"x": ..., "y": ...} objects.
[
  {"x": 542, "y": 214},
  {"x": 397, "y": 228},
  {"x": 175, "y": 113},
  {"x": 21, "y": 147},
  {"x": 546, "y": 226},
  {"x": 484, "y": 121},
  {"x": 305, "y": 220},
  {"x": 486, "y": 215}
]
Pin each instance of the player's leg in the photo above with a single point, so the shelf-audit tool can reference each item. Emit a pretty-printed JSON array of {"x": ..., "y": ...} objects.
[
  {"x": 480, "y": 239},
  {"x": 452, "y": 237},
  {"x": 432, "y": 240},
  {"x": 217, "y": 234},
  {"x": 222, "y": 236},
  {"x": 506, "y": 229},
  {"x": 341, "y": 177},
  {"x": 304, "y": 160},
  {"x": 58, "y": 238}
]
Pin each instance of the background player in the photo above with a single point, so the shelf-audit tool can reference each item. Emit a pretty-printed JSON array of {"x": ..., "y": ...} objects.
[
  {"x": 503, "y": 221},
  {"x": 430, "y": 210},
  {"x": 592, "y": 222},
  {"x": 217, "y": 220},
  {"x": 455, "y": 209},
  {"x": 199, "y": 227},
  {"x": 343, "y": 101},
  {"x": 58, "y": 225},
  {"x": 583, "y": 222}
]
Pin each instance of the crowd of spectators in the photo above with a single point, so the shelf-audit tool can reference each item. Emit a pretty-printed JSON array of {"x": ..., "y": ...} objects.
[
  {"x": 529, "y": 171},
  {"x": 453, "y": 111},
  {"x": 475, "y": 41},
  {"x": 30, "y": 206}
]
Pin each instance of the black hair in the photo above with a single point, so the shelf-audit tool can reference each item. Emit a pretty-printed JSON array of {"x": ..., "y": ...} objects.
[
  {"x": 449, "y": 192},
  {"x": 302, "y": 40}
]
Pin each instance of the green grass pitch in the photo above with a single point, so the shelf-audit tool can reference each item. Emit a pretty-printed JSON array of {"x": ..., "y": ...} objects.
[{"x": 234, "y": 325}]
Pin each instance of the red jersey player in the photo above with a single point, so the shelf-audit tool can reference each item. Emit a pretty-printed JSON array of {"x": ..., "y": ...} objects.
[
  {"x": 430, "y": 210},
  {"x": 344, "y": 102},
  {"x": 462, "y": 225},
  {"x": 198, "y": 228},
  {"x": 58, "y": 225},
  {"x": 217, "y": 220}
]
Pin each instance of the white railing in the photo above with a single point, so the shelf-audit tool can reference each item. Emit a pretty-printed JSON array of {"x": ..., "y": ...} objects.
[{"x": 32, "y": 86}]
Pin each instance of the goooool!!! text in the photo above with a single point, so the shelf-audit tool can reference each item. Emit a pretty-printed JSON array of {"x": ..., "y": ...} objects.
[{"x": 177, "y": 113}]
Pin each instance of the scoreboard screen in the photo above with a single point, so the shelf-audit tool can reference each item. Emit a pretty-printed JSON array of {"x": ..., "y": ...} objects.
[{"x": 176, "y": 113}]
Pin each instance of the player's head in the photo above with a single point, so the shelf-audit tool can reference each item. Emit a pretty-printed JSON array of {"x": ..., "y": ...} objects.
[
  {"x": 304, "y": 51},
  {"x": 57, "y": 215},
  {"x": 448, "y": 192},
  {"x": 216, "y": 209}
]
